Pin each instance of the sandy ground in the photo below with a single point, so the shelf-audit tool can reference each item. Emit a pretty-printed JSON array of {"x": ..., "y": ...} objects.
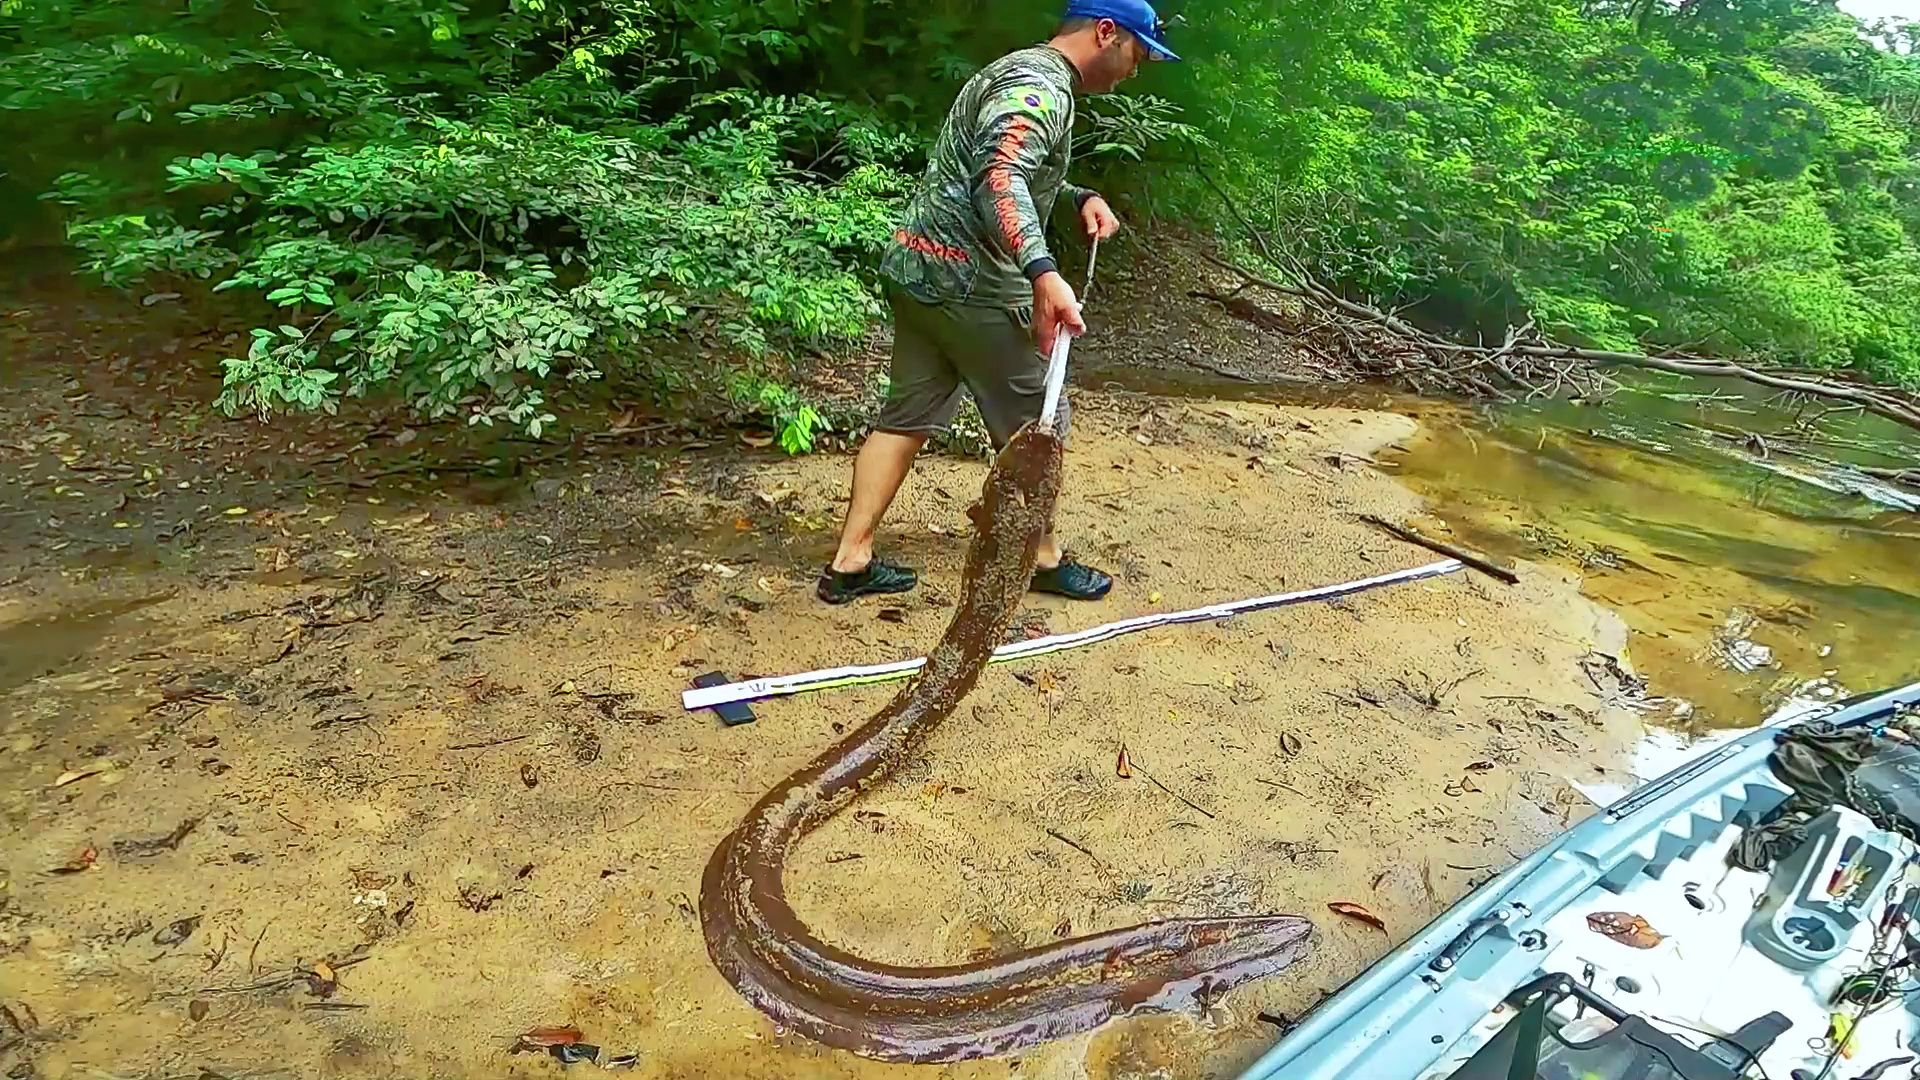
[{"x": 428, "y": 741}]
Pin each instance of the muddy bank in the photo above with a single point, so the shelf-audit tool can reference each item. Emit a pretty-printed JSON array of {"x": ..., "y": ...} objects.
[{"x": 425, "y": 739}]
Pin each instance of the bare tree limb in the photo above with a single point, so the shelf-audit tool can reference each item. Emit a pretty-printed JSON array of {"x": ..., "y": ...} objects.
[
  {"x": 1419, "y": 539},
  {"x": 1396, "y": 349}
]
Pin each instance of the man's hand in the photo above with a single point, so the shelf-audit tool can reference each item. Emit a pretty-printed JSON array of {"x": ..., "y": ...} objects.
[
  {"x": 1099, "y": 218},
  {"x": 1055, "y": 308}
]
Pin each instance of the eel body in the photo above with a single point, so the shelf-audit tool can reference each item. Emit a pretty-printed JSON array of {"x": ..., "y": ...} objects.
[{"x": 973, "y": 1010}]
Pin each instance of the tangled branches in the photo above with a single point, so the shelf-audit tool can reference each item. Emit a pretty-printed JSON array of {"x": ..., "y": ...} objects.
[{"x": 1374, "y": 343}]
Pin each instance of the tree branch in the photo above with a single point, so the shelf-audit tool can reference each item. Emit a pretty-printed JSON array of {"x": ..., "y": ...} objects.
[{"x": 1526, "y": 359}]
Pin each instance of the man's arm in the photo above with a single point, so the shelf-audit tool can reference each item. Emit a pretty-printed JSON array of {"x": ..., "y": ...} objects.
[
  {"x": 1097, "y": 219},
  {"x": 1019, "y": 126}
]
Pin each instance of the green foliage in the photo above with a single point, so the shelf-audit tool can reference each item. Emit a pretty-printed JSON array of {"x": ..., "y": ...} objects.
[
  {"x": 473, "y": 255},
  {"x": 1730, "y": 178},
  {"x": 476, "y": 207},
  {"x": 123, "y": 249},
  {"x": 473, "y": 262},
  {"x": 1771, "y": 259},
  {"x": 1132, "y": 126},
  {"x": 795, "y": 422}
]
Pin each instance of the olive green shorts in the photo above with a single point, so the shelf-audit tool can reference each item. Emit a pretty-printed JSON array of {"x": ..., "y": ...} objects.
[{"x": 940, "y": 349}]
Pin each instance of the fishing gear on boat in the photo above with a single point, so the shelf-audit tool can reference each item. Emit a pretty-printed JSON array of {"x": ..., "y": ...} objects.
[
  {"x": 1806, "y": 967},
  {"x": 1890, "y": 961}
]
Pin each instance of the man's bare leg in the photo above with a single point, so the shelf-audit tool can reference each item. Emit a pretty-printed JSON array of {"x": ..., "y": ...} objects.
[
  {"x": 878, "y": 472},
  {"x": 885, "y": 459},
  {"x": 1048, "y": 554},
  {"x": 1054, "y": 572}
]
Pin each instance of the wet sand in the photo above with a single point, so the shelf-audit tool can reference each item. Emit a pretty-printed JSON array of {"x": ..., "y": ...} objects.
[{"x": 431, "y": 740}]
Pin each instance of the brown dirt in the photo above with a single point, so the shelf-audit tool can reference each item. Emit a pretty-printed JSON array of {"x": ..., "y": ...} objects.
[
  {"x": 427, "y": 732},
  {"x": 1156, "y": 305},
  {"x": 319, "y": 685}
]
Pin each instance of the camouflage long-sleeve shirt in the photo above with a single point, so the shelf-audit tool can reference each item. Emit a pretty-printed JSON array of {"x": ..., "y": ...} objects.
[{"x": 975, "y": 228}]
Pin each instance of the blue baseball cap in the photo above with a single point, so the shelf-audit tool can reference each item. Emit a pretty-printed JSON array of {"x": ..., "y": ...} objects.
[{"x": 1135, "y": 16}]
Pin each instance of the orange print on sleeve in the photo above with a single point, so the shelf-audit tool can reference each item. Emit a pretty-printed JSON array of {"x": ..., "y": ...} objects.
[
  {"x": 1000, "y": 179},
  {"x": 929, "y": 246}
]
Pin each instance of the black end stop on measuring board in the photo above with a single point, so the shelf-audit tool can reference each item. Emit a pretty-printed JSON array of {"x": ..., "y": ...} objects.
[{"x": 731, "y": 713}]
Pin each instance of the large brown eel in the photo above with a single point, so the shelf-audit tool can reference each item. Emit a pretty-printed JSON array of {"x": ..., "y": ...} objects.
[{"x": 931, "y": 1014}]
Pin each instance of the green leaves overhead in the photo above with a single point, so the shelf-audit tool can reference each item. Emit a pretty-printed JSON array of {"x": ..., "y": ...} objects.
[
  {"x": 1719, "y": 176},
  {"x": 475, "y": 205}
]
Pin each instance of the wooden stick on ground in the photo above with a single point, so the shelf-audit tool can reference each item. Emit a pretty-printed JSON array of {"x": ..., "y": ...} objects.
[
  {"x": 1151, "y": 779},
  {"x": 1497, "y": 572}
]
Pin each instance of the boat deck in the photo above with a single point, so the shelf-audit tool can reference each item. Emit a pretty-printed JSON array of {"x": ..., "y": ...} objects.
[
  {"x": 1705, "y": 977},
  {"x": 1692, "y": 967}
]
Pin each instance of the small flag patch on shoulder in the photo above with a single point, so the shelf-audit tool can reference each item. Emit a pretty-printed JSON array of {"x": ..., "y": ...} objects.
[{"x": 1033, "y": 99}]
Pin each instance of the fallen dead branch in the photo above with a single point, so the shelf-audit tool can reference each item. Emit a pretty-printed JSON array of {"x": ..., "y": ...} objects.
[
  {"x": 1380, "y": 344},
  {"x": 1281, "y": 786},
  {"x": 489, "y": 743},
  {"x": 1765, "y": 446},
  {"x": 1194, "y": 806},
  {"x": 1075, "y": 846},
  {"x": 320, "y": 974},
  {"x": 1441, "y": 547}
]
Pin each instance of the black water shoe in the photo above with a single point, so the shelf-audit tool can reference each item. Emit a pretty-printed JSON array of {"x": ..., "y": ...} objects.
[
  {"x": 879, "y": 578},
  {"x": 1074, "y": 580}
]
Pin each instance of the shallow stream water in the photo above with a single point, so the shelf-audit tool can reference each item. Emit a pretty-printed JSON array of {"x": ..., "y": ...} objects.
[{"x": 1745, "y": 570}]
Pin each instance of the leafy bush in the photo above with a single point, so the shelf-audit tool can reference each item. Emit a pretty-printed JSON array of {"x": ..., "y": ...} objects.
[
  {"x": 473, "y": 257},
  {"x": 477, "y": 206},
  {"x": 795, "y": 422},
  {"x": 469, "y": 264},
  {"x": 1731, "y": 178}
]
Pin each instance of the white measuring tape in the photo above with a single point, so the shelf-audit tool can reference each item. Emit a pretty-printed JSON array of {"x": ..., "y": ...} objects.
[{"x": 831, "y": 678}]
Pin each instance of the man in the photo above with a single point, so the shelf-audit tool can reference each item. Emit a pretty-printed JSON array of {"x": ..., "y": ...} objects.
[{"x": 972, "y": 284}]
